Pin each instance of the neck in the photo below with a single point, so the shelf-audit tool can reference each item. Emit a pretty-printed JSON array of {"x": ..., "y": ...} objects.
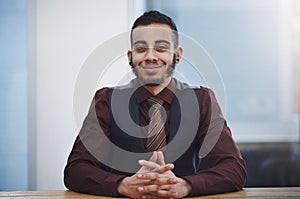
[{"x": 157, "y": 89}]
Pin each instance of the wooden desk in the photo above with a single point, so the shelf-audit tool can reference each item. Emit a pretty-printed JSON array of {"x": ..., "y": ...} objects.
[{"x": 257, "y": 193}]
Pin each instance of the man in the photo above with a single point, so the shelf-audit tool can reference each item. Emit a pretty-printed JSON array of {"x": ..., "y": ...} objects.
[{"x": 171, "y": 126}]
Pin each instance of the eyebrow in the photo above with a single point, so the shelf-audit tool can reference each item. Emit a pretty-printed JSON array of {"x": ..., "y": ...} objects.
[
  {"x": 140, "y": 42},
  {"x": 156, "y": 42},
  {"x": 162, "y": 41}
]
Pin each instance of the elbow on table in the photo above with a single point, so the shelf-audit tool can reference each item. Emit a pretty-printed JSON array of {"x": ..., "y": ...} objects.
[{"x": 241, "y": 178}]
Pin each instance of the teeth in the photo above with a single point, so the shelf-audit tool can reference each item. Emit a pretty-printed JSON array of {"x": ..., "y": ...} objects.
[{"x": 151, "y": 65}]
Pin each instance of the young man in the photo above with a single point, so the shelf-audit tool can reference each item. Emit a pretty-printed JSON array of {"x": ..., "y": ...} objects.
[{"x": 164, "y": 118}]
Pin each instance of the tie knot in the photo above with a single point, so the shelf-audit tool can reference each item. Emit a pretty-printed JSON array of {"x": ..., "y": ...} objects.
[{"x": 154, "y": 101}]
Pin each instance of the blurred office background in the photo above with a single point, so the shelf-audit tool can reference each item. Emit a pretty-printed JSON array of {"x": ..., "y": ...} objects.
[{"x": 255, "y": 45}]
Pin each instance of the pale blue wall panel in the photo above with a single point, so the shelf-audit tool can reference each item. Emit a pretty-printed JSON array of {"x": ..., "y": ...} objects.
[{"x": 13, "y": 96}]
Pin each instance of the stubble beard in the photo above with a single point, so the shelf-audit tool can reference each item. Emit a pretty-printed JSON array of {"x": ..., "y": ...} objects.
[{"x": 154, "y": 81}]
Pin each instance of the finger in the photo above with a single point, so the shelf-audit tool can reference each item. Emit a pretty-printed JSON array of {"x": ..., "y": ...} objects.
[
  {"x": 156, "y": 167},
  {"x": 154, "y": 157},
  {"x": 147, "y": 176},
  {"x": 165, "y": 187},
  {"x": 148, "y": 188},
  {"x": 143, "y": 169},
  {"x": 149, "y": 197},
  {"x": 148, "y": 164},
  {"x": 166, "y": 181},
  {"x": 164, "y": 168},
  {"x": 160, "y": 158},
  {"x": 167, "y": 194}
]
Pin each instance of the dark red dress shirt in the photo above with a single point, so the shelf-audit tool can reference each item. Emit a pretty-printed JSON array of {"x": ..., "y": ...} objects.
[{"x": 227, "y": 170}]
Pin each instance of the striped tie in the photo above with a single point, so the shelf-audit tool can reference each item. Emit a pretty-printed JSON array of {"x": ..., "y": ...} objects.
[{"x": 156, "y": 135}]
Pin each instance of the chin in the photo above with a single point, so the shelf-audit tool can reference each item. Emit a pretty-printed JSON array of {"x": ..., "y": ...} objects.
[{"x": 151, "y": 81}]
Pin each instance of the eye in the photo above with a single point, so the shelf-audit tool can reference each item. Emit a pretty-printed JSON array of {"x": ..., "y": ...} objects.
[
  {"x": 162, "y": 48},
  {"x": 140, "y": 49}
]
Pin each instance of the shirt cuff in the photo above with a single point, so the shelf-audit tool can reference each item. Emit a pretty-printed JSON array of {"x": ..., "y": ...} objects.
[
  {"x": 197, "y": 183},
  {"x": 112, "y": 183}
]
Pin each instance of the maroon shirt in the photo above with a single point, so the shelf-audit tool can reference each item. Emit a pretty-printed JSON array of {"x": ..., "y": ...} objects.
[{"x": 227, "y": 171}]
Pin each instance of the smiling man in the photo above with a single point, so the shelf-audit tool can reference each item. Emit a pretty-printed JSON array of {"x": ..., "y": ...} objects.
[
  {"x": 154, "y": 55},
  {"x": 159, "y": 105}
]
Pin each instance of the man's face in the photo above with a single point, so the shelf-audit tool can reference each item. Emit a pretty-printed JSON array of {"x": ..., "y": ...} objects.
[{"x": 153, "y": 53}]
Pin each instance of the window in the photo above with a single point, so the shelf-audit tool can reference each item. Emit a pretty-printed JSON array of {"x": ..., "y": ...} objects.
[
  {"x": 251, "y": 44},
  {"x": 296, "y": 53}
]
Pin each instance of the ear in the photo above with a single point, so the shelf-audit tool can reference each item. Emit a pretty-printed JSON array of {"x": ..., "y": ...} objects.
[
  {"x": 178, "y": 54},
  {"x": 129, "y": 55}
]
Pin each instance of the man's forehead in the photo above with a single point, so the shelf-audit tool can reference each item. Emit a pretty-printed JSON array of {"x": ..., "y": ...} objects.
[
  {"x": 152, "y": 34},
  {"x": 142, "y": 42}
]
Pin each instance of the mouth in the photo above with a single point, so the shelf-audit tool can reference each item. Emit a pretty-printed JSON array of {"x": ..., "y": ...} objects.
[
  {"x": 151, "y": 66},
  {"x": 151, "y": 69}
]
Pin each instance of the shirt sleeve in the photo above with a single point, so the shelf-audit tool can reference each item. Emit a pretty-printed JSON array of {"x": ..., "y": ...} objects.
[
  {"x": 227, "y": 169},
  {"x": 82, "y": 172}
]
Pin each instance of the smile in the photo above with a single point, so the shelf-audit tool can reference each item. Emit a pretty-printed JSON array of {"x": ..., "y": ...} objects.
[
  {"x": 151, "y": 66},
  {"x": 151, "y": 69}
]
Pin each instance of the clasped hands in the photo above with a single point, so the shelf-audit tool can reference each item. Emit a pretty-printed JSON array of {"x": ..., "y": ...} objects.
[{"x": 154, "y": 179}]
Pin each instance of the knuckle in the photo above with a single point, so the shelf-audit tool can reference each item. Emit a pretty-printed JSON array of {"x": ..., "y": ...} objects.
[{"x": 151, "y": 188}]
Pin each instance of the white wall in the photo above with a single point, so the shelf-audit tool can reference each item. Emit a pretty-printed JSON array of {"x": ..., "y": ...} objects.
[{"x": 65, "y": 32}]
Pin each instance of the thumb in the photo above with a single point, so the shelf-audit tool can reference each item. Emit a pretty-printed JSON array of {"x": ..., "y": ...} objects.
[
  {"x": 160, "y": 158},
  {"x": 153, "y": 158}
]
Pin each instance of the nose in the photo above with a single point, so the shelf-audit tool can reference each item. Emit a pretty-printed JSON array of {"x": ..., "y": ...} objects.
[{"x": 151, "y": 55}]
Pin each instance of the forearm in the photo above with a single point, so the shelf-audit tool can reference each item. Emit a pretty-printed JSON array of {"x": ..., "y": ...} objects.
[
  {"x": 230, "y": 175},
  {"x": 227, "y": 169},
  {"x": 85, "y": 177}
]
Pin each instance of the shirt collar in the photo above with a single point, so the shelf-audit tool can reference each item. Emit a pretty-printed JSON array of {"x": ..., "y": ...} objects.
[{"x": 167, "y": 94}]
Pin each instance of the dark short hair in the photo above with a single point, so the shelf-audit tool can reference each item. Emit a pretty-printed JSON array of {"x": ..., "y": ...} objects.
[{"x": 155, "y": 17}]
